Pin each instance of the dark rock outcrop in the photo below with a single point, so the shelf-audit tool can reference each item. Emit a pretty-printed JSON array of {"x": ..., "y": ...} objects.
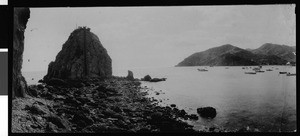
[
  {"x": 82, "y": 56},
  {"x": 130, "y": 75},
  {"x": 146, "y": 78},
  {"x": 207, "y": 112},
  {"x": 157, "y": 79},
  {"x": 56, "y": 82},
  {"x": 193, "y": 117},
  {"x": 19, "y": 85}
]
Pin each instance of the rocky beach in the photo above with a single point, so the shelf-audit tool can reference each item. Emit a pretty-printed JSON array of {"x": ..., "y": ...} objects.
[{"x": 112, "y": 105}]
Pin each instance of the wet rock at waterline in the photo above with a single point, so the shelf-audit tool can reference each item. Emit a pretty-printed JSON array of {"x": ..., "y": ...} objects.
[
  {"x": 157, "y": 79},
  {"x": 115, "y": 104},
  {"x": 82, "y": 56},
  {"x": 148, "y": 78},
  {"x": 207, "y": 112}
]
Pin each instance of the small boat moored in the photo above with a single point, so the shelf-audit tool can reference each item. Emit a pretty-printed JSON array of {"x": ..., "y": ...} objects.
[
  {"x": 259, "y": 71},
  {"x": 202, "y": 69},
  {"x": 290, "y": 74},
  {"x": 282, "y": 72},
  {"x": 269, "y": 70},
  {"x": 250, "y": 72}
]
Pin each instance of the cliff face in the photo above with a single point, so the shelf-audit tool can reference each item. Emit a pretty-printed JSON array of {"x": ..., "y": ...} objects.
[
  {"x": 82, "y": 56},
  {"x": 21, "y": 16}
]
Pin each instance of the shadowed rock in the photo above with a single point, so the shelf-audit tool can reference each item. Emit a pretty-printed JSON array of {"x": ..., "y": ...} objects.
[
  {"x": 82, "y": 56},
  {"x": 207, "y": 112},
  {"x": 130, "y": 75},
  {"x": 146, "y": 78},
  {"x": 19, "y": 85}
]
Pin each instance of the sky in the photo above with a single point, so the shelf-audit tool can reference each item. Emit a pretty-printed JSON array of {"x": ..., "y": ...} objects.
[{"x": 162, "y": 36}]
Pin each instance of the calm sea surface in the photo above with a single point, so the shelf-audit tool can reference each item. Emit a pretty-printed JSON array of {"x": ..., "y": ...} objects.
[{"x": 264, "y": 101}]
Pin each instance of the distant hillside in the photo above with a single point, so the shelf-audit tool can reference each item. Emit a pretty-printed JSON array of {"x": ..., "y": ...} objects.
[
  {"x": 283, "y": 51},
  {"x": 229, "y": 55}
]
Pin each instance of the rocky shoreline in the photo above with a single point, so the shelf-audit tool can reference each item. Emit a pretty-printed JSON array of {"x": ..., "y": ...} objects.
[{"x": 112, "y": 105}]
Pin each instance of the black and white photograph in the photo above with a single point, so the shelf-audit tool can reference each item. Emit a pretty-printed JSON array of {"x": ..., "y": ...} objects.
[{"x": 154, "y": 69}]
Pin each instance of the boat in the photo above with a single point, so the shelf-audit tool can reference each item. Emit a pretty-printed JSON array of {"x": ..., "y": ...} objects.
[
  {"x": 202, "y": 69},
  {"x": 282, "y": 72},
  {"x": 290, "y": 74},
  {"x": 260, "y": 71},
  {"x": 250, "y": 72},
  {"x": 256, "y": 69},
  {"x": 269, "y": 70},
  {"x": 226, "y": 68}
]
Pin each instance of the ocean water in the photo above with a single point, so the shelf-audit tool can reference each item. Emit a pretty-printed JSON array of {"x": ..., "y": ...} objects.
[{"x": 263, "y": 101}]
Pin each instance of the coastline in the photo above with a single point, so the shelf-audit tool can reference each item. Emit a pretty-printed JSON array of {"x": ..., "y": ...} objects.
[{"x": 113, "y": 105}]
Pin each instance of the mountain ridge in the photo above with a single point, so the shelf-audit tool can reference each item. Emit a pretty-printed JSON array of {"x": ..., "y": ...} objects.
[{"x": 229, "y": 55}]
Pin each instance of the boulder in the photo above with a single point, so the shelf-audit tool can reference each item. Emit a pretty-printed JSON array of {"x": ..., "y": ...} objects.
[
  {"x": 82, "y": 120},
  {"x": 36, "y": 109},
  {"x": 60, "y": 123},
  {"x": 173, "y": 105},
  {"x": 51, "y": 128},
  {"x": 182, "y": 113},
  {"x": 193, "y": 117},
  {"x": 156, "y": 116},
  {"x": 47, "y": 95},
  {"x": 82, "y": 56},
  {"x": 130, "y": 75},
  {"x": 157, "y": 79},
  {"x": 147, "y": 78},
  {"x": 32, "y": 91},
  {"x": 207, "y": 112},
  {"x": 56, "y": 82}
]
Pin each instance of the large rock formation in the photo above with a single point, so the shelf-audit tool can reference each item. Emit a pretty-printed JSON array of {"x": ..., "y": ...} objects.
[
  {"x": 82, "y": 56},
  {"x": 21, "y": 16}
]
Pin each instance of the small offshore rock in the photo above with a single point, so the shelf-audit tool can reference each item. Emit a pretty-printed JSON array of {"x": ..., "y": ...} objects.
[
  {"x": 130, "y": 75},
  {"x": 157, "y": 79},
  {"x": 147, "y": 78}
]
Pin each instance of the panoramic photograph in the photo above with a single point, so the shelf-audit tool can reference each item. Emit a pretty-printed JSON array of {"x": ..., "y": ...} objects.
[{"x": 193, "y": 69}]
